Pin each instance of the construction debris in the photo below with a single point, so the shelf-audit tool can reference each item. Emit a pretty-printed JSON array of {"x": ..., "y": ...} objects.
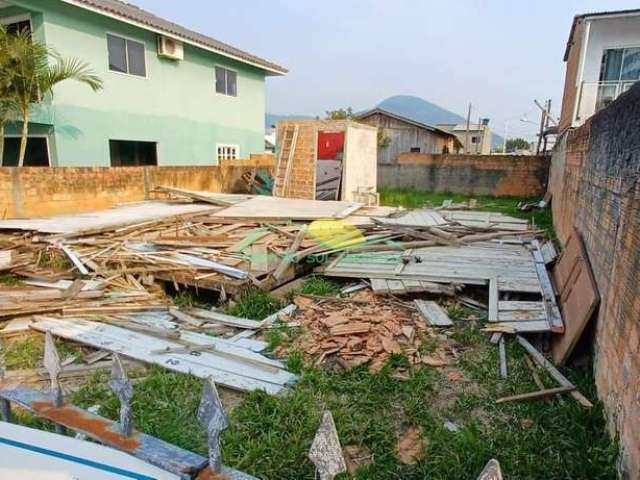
[
  {"x": 361, "y": 330},
  {"x": 99, "y": 280}
]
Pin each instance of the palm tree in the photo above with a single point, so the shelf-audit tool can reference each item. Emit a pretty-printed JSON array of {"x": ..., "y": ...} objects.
[
  {"x": 32, "y": 77},
  {"x": 8, "y": 103}
]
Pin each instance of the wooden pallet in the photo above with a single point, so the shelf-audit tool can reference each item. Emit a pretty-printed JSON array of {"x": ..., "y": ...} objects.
[{"x": 284, "y": 166}]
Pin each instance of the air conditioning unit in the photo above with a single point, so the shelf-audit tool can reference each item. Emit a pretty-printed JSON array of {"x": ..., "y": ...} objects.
[{"x": 170, "y": 48}]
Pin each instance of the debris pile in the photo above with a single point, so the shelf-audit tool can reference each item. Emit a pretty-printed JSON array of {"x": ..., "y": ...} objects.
[{"x": 363, "y": 329}]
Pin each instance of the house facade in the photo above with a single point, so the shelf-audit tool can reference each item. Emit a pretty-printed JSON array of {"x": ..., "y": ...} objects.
[
  {"x": 171, "y": 96},
  {"x": 602, "y": 61},
  {"x": 475, "y": 140},
  {"x": 399, "y": 134}
]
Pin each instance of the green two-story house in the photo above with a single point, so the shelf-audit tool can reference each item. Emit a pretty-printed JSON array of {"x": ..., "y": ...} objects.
[{"x": 171, "y": 96}]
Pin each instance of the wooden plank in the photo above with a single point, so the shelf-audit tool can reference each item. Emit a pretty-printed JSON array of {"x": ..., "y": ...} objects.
[
  {"x": 548, "y": 293},
  {"x": 536, "y": 395},
  {"x": 503, "y": 357},
  {"x": 523, "y": 326},
  {"x": 578, "y": 294},
  {"x": 433, "y": 313},
  {"x": 259, "y": 258},
  {"x": 523, "y": 316},
  {"x": 200, "y": 196},
  {"x": 504, "y": 306},
  {"x": 230, "y": 372},
  {"x": 493, "y": 300},
  {"x": 224, "y": 319},
  {"x": 379, "y": 286},
  {"x": 553, "y": 371}
]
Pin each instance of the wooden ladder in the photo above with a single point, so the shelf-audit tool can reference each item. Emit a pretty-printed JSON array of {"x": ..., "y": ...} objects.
[{"x": 284, "y": 166}]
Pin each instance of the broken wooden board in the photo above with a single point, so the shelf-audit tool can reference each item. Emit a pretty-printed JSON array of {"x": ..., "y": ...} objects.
[
  {"x": 554, "y": 317},
  {"x": 381, "y": 286},
  {"x": 553, "y": 371},
  {"x": 433, "y": 313},
  {"x": 229, "y": 368},
  {"x": 577, "y": 294}
]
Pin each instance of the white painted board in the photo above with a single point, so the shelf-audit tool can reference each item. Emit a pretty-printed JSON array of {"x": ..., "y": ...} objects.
[
  {"x": 26, "y": 453},
  {"x": 234, "y": 372}
]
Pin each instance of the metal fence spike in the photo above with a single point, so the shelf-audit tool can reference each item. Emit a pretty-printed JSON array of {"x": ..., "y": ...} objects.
[
  {"x": 121, "y": 386},
  {"x": 212, "y": 417},
  {"x": 53, "y": 367},
  {"x": 326, "y": 452}
]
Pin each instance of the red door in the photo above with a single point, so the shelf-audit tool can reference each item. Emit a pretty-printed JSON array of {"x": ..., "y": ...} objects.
[{"x": 330, "y": 145}]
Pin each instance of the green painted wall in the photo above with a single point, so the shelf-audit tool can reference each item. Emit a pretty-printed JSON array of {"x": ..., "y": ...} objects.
[{"x": 176, "y": 105}]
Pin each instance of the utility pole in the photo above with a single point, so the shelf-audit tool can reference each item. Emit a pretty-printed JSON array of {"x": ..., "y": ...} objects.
[
  {"x": 466, "y": 137},
  {"x": 546, "y": 125},
  {"x": 504, "y": 140},
  {"x": 543, "y": 119}
]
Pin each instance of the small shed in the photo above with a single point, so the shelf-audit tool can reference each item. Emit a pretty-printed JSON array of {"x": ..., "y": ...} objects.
[
  {"x": 326, "y": 160},
  {"x": 404, "y": 135}
]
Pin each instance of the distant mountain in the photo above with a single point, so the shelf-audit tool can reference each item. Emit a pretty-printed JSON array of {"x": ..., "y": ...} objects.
[
  {"x": 423, "y": 111},
  {"x": 408, "y": 106},
  {"x": 270, "y": 119},
  {"x": 420, "y": 110}
]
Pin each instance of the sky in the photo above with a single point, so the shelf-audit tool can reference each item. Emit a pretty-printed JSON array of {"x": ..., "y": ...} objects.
[{"x": 498, "y": 55}]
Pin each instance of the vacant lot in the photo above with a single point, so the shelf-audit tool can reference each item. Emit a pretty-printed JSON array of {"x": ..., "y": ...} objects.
[{"x": 445, "y": 416}]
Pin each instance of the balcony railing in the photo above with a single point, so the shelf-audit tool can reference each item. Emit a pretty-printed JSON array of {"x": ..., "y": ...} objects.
[{"x": 594, "y": 96}]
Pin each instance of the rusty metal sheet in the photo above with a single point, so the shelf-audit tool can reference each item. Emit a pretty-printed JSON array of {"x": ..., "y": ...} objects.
[{"x": 577, "y": 293}]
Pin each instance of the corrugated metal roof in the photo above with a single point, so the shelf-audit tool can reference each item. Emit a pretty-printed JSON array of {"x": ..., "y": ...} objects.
[
  {"x": 381, "y": 111},
  {"x": 577, "y": 18},
  {"x": 133, "y": 14}
]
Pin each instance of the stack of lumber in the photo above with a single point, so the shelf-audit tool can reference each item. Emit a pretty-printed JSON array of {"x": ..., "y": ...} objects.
[{"x": 361, "y": 330}]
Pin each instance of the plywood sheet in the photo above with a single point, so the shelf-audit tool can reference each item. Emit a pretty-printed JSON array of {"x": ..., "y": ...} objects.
[
  {"x": 416, "y": 218},
  {"x": 577, "y": 293},
  {"x": 287, "y": 209},
  {"x": 122, "y": 216}
]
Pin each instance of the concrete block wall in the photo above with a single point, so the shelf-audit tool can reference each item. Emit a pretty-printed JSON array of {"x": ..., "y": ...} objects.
[
  {"x": 40, "y": 191},
  {"x": 596, "y": 189},
  {"x": 495, "y": 175}
]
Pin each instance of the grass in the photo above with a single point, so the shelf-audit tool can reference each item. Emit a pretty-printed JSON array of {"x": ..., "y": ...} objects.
[
  {"x": 29, "y": 353},
  {"x": 270, "y": 435},
  {"x": 412, "y": 198}
]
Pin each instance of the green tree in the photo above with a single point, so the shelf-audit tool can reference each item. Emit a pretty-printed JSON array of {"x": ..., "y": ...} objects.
[
  {"x": 340, "y": 114},
  {"x": 32, "y": 78},
  {"x": 514, "y": 144},
  {"x": 8, "y": 103}
]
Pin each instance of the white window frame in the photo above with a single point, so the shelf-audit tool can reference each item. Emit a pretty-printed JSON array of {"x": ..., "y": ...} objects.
[
  {"x": 127, "y": 39},
  {"x": 617, "y": 47},
  {"x": 35, "y": 135},
  {"x": 226, "y": 151},
  {"x": 227, "y": 69}
]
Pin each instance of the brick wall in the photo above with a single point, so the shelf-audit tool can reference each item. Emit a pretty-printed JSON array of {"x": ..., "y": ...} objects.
[
  {"x": 595, "y": 183},
  {"x": 497, "y": 175},
  {"x": 32, "y": 191},
  {"x": 302, "y": 183}
]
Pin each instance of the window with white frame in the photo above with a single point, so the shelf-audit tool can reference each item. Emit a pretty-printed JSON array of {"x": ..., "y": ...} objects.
[
  {"x": 126, "y": 56},
  {"x": 226, "y": 82},
  {"x": 228, "y": 152}
]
